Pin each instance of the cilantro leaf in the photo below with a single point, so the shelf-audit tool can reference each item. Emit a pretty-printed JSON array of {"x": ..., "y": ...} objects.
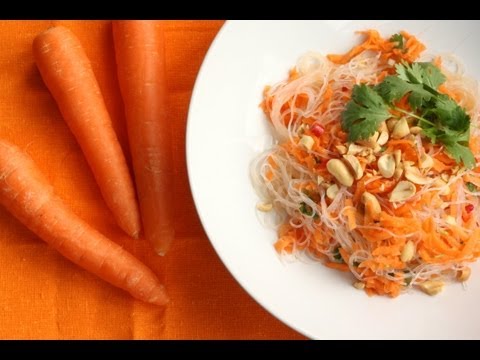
[
  {"x": 421, "y": 73},
  {"x": 450, "y": 114},
  {"x": 461, "y": 153},
  {"x": 397, "y": 39},
  {"x": 441, "y": 118},
  {"x": 455, "y": 142},
  {"x": 393, "y": 88},
  {"x": 364, "y": 113}
]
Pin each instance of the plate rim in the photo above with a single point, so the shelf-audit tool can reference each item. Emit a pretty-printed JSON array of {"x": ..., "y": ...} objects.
[
  {"x": 188, "y": 132},
  {"x": 282, "y": 316}
]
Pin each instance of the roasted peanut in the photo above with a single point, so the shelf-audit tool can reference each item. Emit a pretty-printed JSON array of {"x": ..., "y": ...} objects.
[
  {"x": 340, "y": 171},
  {"x": 432, "y": 287},
  {"x": 402, "y": 191},
  {"x": 400, "y": 129},
  {"x": 386, "y": 165},
  {"x": 355, "y": 166}
]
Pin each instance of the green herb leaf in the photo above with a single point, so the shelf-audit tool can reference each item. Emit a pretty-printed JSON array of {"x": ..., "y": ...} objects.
[
  {"x": 393, "y": 89},
  {"x": 306, "y": 209},
  {"x": 455, "y": 142},
  {"x": 461, "y": 153},
  {"x": 471, "y": 187},
  {"x": 397, "y": 39},
  {"x": 419, "y": 79},
  {"x": 421, "y": 73},
  {"x": 450, "y": 114},
  {"x": 441, "y": 118},
  {"x": 337, "y": 256},
  {"x": 364, "y": 113}
]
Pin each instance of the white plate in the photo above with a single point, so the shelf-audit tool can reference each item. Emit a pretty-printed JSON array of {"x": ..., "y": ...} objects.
[{"x": 226, "y": 129}]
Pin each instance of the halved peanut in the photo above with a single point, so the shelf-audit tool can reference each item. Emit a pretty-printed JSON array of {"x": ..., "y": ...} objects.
[
  {"x": 377, "y": 149},
  {"x": 432, "y": 287},
  {"x": 408, "y": 252},
  {"x": 332, "y": 191},
  {"x": 415, "y": 130},
  {"x": 391, "y": 124},
  {"x": 371, "y": 158},
  {"x": 354, "y": 149},
  {"x": 386, "y": 165},
  {"x": 415, "y": 176},
  {"x": 439, "y": 183},
  {"x": 355, "y": 166},
  {"x": 325, "y": 185},
  {"x": 410, "y": 137},
  {"x": 450, "y": 220},
  {"x": 265, "y": 207},
  {"x": 425, "y": 161},
  {"x": 301, "y": 129},
  {"x": 341, "y": 149},
  {"x": 307, "y": 142},
  {"x": 398, "y": 173},
  {"x": 402, "y": 191},
  {"x": 340, "y": 171},
  {"x": 400, "y": 129},
  {"x": 464, "y": 274},
  {"x": 382, "y": 138},
  {"x": 397, "y": 154},
  {"x": 359, "y": 285},
  {"x": 320, "y": 179},
  {"x": 371, "y": 141},
  {"x": 382, "y": 127},
  {"x": 374, "y": 205}
]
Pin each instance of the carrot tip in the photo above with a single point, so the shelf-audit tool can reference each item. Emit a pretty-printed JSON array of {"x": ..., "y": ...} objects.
[
  {"x": 161, "y": 241},
  {"x": 161, "y": 298}
]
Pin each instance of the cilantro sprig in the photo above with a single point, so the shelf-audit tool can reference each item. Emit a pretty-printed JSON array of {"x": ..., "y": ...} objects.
[
  {"x": 397, "y": 39},
  {"x": 440, "y": 117},
  {"x": 364, "y": 113}
]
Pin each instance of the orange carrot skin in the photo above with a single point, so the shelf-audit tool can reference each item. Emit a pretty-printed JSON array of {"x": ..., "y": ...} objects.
[
  {"x": 68, "y": 74},
  {"x": 26, "y": 193},
  {"x": 139, "y": 50}
]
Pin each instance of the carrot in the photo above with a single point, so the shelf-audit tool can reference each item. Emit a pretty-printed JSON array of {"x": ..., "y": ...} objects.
[
  {"x": 374, "y": 42},
  {"x": 337, "y": 266},
  {"x": 351, "y": 215},
  {"x": 139, "y": 50},
  {"x": 68, "y": 74},
  {"x": 26, "y": 193}
]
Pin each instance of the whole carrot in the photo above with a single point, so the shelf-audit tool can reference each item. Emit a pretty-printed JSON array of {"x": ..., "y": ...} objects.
[
  {"x": 139, "y": 51},
  {"x": 68, "y": 74},
  {"x": 26, "y": 193}
]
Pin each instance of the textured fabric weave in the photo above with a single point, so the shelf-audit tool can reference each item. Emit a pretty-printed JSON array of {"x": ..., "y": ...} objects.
[{"x": 43, "y": 295}]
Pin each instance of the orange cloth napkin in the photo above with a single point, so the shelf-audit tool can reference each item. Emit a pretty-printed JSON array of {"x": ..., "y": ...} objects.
[{"x": 43, "y": 295}]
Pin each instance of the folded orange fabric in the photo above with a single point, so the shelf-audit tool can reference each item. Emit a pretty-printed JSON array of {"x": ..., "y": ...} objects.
[{"x": 43, "y": 295}]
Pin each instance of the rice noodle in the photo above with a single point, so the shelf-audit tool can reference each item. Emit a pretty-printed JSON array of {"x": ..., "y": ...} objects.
[{"x": 281, "y": 184}]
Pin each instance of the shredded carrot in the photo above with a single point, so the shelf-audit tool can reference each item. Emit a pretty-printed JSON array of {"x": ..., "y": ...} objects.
[
  {"x": 374, "y": 42},
  {"x": 381, "y": 240},
  {"x": 337, "y": 266}
]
